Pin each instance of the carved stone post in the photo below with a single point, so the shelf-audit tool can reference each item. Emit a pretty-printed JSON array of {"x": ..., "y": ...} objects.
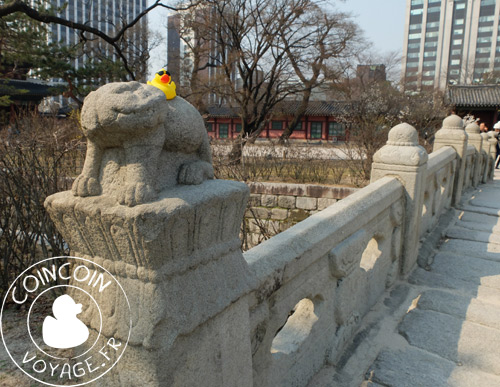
[
  {"x": 404, "y": 158},
  {"x": 476, "y": 140},
  {"x": 453, "y": 134},
  {"x": 173, "y": 245},
  {"x": 493, "y": 153},
  {"x": 486, "y": 156}
]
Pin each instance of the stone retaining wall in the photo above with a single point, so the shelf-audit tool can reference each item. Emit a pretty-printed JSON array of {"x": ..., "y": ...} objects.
[{"x": 275, "y": 207}]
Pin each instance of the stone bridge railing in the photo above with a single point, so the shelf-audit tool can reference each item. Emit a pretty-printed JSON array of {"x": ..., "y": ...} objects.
[{"x": 205, "y": 314}]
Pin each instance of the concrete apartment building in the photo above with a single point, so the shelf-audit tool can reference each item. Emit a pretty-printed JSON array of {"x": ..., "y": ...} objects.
[
  {"x": 450, "y": 42},
  {"x": 107, "y": 15}
]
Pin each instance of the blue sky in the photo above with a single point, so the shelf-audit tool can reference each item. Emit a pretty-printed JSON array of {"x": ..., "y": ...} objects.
[{"x": 382, "y": 21}]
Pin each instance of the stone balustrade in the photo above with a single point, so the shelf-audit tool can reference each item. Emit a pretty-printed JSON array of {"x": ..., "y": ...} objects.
[{"x": 204, "y": 313}]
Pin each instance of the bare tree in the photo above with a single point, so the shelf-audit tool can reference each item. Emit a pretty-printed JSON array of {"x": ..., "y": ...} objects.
[
  {"x": 316, "y": 52},
  {"x": 260, "y": 52}
]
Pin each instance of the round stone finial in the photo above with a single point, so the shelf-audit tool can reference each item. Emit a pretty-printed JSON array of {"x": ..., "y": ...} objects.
[
  {"x": 403, "y": 135},
  {"x": 453, "y": 122},
  {"x": 472, "y": 128},
  {"x": 493, "y": 134}
]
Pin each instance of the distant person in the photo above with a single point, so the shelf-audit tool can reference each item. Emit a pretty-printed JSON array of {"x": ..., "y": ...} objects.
[
  {"x": 483, "y": 127},
  {"x": 65, "y": 330}
]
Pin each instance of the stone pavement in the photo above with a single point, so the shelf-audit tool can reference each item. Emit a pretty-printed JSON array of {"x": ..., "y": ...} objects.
[{"x": 442, "y": 327}]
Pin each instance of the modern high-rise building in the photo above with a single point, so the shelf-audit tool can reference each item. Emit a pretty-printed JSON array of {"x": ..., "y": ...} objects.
[
  {"x": 197, "y": 25},
  {"x": 106, "y": 15},
  {"x": 450, "y": 42}
]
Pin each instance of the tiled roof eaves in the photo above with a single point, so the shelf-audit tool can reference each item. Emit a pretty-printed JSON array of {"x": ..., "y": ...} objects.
[
  {"x": 288, "y": 108},
  {"x": 474, "y": 96}
]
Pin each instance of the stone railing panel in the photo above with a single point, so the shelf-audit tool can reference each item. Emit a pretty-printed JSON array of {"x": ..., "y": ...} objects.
[
  {"x": 330, "y": 268},
  {"x": 438, "y": 187}
]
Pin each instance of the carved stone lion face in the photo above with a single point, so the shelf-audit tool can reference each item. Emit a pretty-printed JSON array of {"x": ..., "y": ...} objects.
[{"x": 122, "y": 109}]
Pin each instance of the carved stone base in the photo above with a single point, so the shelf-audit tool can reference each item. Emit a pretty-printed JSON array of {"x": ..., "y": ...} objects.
[{"x": 179, "y": 262}]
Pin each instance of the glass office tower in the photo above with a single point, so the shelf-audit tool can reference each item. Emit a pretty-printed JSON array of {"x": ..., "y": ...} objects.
[{"x": 450, "y": 42}]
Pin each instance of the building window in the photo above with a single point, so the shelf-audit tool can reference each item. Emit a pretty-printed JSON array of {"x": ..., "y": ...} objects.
[
  {"x": 223, "y": 130},
  {"x": 413, "y": 55},
  {"x": 459, "y": 22},
  {"x": 416, "y": 26},
  {"x": 431, "y": 63},
  {"x": 417, "y": 2},
  {"x": 485, "y": 29},
  {"x": 483, "y": 50},
  {"x": 429, "y": 73},
  {"x": 237, "y": 128},
  {"x": 411, "y": 64},
  {"x": 316, "y": 130},
  {"x": 298, "y": 126},
  {"x": 433, "y": 9},
  {"x": 484, "y": 19},
  {"x": 454, "y": 72},
  {"x": 430, "y": 44},
  {"x": 486, "y": 39},
  {"x": 455, "y": 62},
  {"x": 416, "y": 11},
  {"x": 277, "y": 125},
  {"x": 413, "y": 45},
  {"x": 487, "y": 2},
  {"x": 414, "y": 36},
  {"x": 458, "y": 32},
  {"x": 457, "y": 42},
  {"x": 210, "y": 127},
  {"x": 336, "y": 129},
  {"x": 432, "y": 25},
  {"x": 460, "y": 6},
  {"x": 456, "y": 52},
  {"x": 429, "y": 54},
  {"x": 427, "y": 83},
  {"x": 431, "y": 34}
]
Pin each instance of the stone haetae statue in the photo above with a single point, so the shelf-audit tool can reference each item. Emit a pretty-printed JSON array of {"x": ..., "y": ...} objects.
[{"x": 139, "y": 143}]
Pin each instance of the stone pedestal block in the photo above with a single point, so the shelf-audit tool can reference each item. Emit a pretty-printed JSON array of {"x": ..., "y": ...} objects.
[
  {"x": 493, "y": 153},
  {"x": 453, "y": 134},
  {"x": 404, "y": 158},
  {"x": 475, "y": 140},
  {"x": 179, "y": 262}
]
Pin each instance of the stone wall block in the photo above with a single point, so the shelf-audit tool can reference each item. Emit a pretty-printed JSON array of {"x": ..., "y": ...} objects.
[
  {"x": 279, "y": 214},
  {"x": 306, "y": 203},
  {"x": 286, "y": 201},
  {"x": 325, "y": 202},
  {"x": 269, "y": 200}
]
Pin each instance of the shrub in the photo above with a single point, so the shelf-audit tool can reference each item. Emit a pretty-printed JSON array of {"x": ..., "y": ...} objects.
[{"x": 38, "y": 156}]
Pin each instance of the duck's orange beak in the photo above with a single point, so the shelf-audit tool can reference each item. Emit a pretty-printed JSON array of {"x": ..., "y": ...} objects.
[{"x": 165, "y": 78}]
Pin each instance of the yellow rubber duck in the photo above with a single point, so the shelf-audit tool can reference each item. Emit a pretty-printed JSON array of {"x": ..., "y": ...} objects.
[{"x": 163, "y": 81}]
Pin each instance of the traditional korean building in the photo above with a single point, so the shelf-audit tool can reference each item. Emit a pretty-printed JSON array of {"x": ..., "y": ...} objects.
[
  {"x": 321, "y": 122},
  {"x": 482, "y": 101}
]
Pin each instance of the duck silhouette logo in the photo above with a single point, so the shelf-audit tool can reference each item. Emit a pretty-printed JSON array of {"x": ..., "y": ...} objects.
[{"x": 65, "y": 330}]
